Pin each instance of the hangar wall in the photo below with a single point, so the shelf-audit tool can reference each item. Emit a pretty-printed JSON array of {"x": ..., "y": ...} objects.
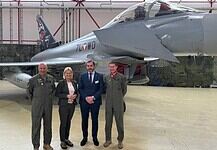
[
  {"x": 18, "y": 20},
  {"x": 53, "y": 20},
  {"x": 18, "y": 23}
]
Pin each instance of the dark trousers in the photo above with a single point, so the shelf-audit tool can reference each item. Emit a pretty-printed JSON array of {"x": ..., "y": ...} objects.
[
  {"x": 36, "y": 127},
  {"x": 66, "y": 112},
  {"x": 85, "y": 109}
]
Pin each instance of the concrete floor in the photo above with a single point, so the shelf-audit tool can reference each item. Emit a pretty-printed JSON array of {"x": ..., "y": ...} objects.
[{"x": 157, "y": 118}]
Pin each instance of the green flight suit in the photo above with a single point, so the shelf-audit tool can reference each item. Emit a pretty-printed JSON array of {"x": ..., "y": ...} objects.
[
  {"x": 41, "y": 93},
  {"x": 116, "y": 88}
]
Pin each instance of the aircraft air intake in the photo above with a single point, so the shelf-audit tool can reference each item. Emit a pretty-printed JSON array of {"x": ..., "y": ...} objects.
[
  {"x": 134, "y": 38},
  {"x": 210, "y": 33}
]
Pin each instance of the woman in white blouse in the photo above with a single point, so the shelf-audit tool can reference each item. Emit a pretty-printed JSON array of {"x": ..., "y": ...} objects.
[{"x": 66, "y": 91}]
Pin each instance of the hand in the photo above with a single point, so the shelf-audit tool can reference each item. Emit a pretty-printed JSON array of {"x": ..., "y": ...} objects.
[
  {"x": 89, "y": 99},
  {"x": 70, "y": 100},
  {"x": 92, "y": 99},
  {"x": 74, "y": 96},
  {"x": 68, "y": 96},
  {"x": 71, "y": 97}
]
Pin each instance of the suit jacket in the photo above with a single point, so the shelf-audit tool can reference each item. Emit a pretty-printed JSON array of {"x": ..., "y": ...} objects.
[
  {"x": 88, "y": 88},
  {"x": 62, "y": 91}
]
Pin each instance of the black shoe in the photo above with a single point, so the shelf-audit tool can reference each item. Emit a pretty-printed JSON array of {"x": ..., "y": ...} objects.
[
  {"x": 63, "y": 145},
  {"x": 36, "y": 147},
  {"x": 69, "y": 143},
  {"x": 83, "y": 141},
  {"x": 96, "y": 142}
]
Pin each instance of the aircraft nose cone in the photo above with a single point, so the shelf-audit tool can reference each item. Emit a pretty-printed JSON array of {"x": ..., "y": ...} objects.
[
  {"x": 210, "y": 33},
  {"x": 33, "y": 59},
  {"x": 36, "y": 58}
]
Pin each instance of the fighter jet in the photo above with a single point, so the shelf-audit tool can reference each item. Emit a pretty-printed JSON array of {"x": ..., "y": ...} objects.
[{"x": 147, "y": 31}]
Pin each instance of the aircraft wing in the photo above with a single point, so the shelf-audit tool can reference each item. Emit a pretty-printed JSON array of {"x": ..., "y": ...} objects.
[
  {"x": 55, "y": 61},
  {"x": 134, "y": 37}
]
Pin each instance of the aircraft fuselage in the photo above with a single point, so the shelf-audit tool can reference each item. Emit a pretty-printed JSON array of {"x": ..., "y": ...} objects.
[{"x": 192, "y": 33}]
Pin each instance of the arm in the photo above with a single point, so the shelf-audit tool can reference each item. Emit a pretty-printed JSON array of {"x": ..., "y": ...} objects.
[
  {"x": 104, "y": 83},
  {"x": 124, "y": 85},
  {"x": 75, "y": 87},
  {"x": 81, "y": 88},
  {"x": 101, "y": 88},
  {"x": 59, "y": 91},
  {"x": 76, "y": 91},
  {"x": 30, "y": 88},
  {"x": 53, "y": 87}
]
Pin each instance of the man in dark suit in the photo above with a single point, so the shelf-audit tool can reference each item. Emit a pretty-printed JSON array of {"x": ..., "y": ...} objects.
[{"x": 90, "y": 88}]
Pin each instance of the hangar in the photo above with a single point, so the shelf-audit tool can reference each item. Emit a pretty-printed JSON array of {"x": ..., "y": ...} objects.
[{"x": 157, "y": 117}]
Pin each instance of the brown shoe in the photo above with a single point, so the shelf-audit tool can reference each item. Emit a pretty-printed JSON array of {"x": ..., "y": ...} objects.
[
  {"x": 107, "y": 143},
  {"x": 120, "y": 145},
  {"x": 47, "y": 147}
]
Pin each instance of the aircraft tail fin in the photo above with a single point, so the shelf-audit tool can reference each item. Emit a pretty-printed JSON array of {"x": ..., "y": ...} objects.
[{"x": 46, "y": 38}]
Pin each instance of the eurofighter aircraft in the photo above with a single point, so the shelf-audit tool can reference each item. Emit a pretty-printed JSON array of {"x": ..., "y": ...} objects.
[{"x": 147, "y": 31}]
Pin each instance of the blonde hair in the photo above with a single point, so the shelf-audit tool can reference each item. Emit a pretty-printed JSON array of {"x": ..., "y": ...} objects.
[{"x": 67, "y": 69}]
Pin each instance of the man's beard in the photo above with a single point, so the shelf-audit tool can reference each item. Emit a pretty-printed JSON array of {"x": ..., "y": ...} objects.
[{"x": 90, "y": 70}]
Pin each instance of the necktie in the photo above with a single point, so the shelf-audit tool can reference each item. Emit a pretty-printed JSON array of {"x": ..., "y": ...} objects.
[{"x": 90, "y": 77}]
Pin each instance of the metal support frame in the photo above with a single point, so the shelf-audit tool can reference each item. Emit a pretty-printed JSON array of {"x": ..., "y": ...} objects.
[
  {"x": 11, "y": 24},
  {"x": 70, "y": 14},
  {"x": 62, "y": 26},
  {"x": 20, "y": 23},
  {"x": 79, "y": 15},
  {"x": 70, "y": 26},
  {"x": 211, "y": 5},
  {"x": 73, "y": 24},
  {"x": 91, "y": 16},
  {"x": 21, "y": 26},
  {"x": 1, "y": 23},
  {"x": 79, "y": 21},
  {"x": 67, "y": 25},
  {"x": 79, "y": 4},
  {"x": 41, "y": 10}
]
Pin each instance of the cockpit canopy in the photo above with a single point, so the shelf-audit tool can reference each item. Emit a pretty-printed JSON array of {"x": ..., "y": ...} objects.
[{"x": 150, "y": 9}]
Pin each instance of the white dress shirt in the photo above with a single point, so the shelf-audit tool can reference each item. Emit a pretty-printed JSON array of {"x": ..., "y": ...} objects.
[{"x": 92, "y": 76}]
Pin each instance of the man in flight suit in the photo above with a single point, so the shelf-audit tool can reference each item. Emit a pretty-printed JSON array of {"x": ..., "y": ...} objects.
[
  {"x": 41, "y": 89},
  {"x": 116, "y": 88}
]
